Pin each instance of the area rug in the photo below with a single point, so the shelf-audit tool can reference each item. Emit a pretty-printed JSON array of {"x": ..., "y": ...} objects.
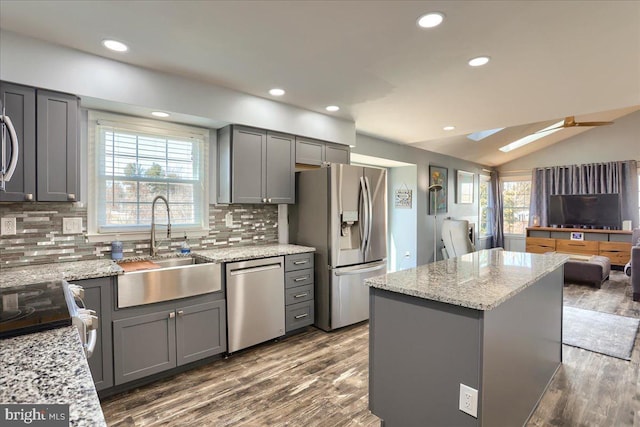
[{"x": 603, "y": 333}]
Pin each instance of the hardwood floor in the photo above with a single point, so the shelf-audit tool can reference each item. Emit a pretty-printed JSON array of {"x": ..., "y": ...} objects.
[{"x": 320, "y": 379}]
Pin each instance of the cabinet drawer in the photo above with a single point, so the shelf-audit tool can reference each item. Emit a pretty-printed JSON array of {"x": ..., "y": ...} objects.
[
  {"x": 298, "y": 278},
  {"x": 618, "y": 252},
  {"x": 298, "y": 315},
  {"x": 540, "y": 245},
  {"x": 577, "y": 247},
  {"x": 299, "y": 294},
  {"x": 298, "y": 261}
]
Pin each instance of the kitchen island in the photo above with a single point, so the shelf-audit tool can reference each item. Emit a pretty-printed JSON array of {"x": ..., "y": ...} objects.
[{"x": 490, "y": 320}]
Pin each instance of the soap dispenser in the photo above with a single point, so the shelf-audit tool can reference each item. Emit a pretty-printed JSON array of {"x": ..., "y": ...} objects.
[{"x": 184, "y": 247}]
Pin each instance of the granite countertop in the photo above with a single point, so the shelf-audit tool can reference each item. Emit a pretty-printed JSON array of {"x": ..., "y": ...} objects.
[
  {"x": 239, "y": 253},
  {"x": 76, "y": 270},
  {"x": 50, "y": 367},
  {"x": 480, "y": 280}
]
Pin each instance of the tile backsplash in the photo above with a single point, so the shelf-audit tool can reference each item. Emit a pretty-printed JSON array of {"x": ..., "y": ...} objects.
[{"x": 39, "y": 238}]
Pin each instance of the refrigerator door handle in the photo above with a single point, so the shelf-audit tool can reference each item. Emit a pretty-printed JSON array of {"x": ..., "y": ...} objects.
[
  {"x": 7, "y": 173},
  {"x": 369, "y": 213},
  {"x": 348, "y": 271},
  {"x": 364, "y": 229}
]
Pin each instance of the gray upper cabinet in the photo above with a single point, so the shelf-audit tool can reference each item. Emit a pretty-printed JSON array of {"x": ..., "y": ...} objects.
[
  {"x": 255, "y": 166},
  {"x": 19, "y": 103},
  {"x": 314, "y": 152},
  {"x": 336, "y": 154},
  {"x": 57, "y": 147}
]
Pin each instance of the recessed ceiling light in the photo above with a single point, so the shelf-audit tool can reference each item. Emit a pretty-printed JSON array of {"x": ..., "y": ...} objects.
[
  {"x": 332, "y": 108},
  {"x": 479, "y": 61},
  {"x": 160, "y": 114},
  {"x": 277, "y": 92},
  {"x": 448, "y": 128},
  {"x": 430, "y": 20},
  {"x": 115, "y": 45}
]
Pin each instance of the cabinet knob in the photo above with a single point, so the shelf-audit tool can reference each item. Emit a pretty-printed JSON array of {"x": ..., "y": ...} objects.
[
  {"x": 180, "y": 312},
  {"x": 264, "y": 200},
  {"x": 71, "y": 196},
  {"x": 28, "y": 197},
  {"x": 172, "y": 315},
  {"x": 269, "y": 199}
]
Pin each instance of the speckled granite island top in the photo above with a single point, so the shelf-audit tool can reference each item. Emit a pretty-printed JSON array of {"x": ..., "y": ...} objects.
[
  {"x": 480, "y": 280},
  {"x": 50, "y": 367},
  {"x": 239, "y": 253},
  {"x": 77, "y": 270}
]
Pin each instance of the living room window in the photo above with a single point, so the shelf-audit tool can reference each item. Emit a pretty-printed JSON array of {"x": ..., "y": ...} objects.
[
  {"x": 135, "y": 160},
  {"x": 516, "y": 197},
  {"x": 484, "y": 210}
]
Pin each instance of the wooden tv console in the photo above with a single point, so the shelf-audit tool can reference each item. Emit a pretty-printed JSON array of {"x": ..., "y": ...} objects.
[{"x": 614, "y": 244}]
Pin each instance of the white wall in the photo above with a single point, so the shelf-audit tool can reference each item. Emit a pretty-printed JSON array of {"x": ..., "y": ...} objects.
[
  {"x": 108, "y": 84},
  {"x": 402, "y": 222},
  {"x": 424, "y": 228},
  {"x": 619, "y": 141}
]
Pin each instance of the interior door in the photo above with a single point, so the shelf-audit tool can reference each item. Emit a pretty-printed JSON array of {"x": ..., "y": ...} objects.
[{"x": 376, "y": 246}]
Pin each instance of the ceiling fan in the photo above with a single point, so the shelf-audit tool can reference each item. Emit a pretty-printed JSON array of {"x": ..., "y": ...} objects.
[{"x": 570, "y": 122}]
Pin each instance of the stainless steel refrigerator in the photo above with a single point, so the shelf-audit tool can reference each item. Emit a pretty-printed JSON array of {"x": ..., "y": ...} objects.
[{"x": 341, "y": 210}]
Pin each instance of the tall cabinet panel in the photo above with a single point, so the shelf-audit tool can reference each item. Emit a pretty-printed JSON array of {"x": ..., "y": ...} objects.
[
  {"x": 19, "y": 103},
  {"x": 57, "y": 146},
  {"x": 280, "y": 173},
  {"x": 247, "y": 169}
]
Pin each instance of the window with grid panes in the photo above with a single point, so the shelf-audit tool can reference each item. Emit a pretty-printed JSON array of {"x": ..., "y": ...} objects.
[
  {"x": 134, "y": 165},
  {"x": 484, "y": 209},
  {"x": 516, "y": 197}
]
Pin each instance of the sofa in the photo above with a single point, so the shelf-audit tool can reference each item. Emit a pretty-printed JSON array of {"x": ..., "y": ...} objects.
[{"x": 634, "y": 264}]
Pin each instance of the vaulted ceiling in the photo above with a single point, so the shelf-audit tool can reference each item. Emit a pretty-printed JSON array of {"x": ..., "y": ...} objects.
[{"x": 549, "y": 59}]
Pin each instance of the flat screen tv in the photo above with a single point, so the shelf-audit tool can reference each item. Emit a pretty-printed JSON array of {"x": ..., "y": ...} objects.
[{"x": 585, "y": 210}]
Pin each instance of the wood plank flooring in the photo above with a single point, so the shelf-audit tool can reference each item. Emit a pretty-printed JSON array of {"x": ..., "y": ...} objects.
[{"x": 320, "y": 379}]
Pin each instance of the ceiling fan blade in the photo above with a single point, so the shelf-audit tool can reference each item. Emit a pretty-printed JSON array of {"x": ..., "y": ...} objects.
[
  {"x": 549, "y": 130},
  {"x": 593, "y": 123}
]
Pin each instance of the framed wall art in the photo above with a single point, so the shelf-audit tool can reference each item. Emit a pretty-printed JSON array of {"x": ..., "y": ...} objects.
[
  {"x": 438, "y": 189},
  {"x": 464, "y": 187}
]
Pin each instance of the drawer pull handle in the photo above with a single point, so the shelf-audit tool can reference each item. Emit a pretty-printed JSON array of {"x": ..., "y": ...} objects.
[
  {"x": 300, "y": 279},
  {"x": 301, "y": 295},
  {"x": 300, "y": 262},
  {"x": 300, "y": 316},
  {"x": 180, "y": 313}
]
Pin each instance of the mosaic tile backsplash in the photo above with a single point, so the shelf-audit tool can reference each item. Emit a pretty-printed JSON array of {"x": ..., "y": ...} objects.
[{"x": 39, "y": 238}]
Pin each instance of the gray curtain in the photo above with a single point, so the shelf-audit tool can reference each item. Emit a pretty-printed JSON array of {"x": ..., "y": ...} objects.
[
  {"x": 495, "y": 204},
  {"x": 594, "y": 178}
]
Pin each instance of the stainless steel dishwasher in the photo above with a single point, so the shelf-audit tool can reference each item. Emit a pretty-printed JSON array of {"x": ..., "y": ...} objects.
[{"x": 255, "y": 301}]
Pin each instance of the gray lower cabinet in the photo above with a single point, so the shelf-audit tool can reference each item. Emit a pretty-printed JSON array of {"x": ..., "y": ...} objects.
[
  {"x": 19, "y": 103},
  {"x": 57, "y": 147},
  {"x": 255, "y": 166},
  {"x": 98, "y": 297},
  {"x": 150, "y": 343},
  {"x": 298, "y": 291},
  {"x": 315, "y": 152}
]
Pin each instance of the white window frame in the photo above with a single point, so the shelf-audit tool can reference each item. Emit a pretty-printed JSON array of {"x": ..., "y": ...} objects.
[
  {"x": 135, "y": 124},
  {"x": 512, "y": 178}
]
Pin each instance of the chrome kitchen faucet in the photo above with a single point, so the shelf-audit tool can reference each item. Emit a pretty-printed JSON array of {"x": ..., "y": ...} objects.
[{"x": 154, "y": 248}]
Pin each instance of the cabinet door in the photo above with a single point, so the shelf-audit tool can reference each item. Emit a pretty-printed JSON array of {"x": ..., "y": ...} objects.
[
  {"x": 336, "y": 154},
  {"x": 57, "y": 147},
  {"x": 309, "y": 152},
  {"x": 248, "y": 166},
  {"x": 143, "y": 345},
  {"x": 97, "y": 296},
  {"x": 19, "y": 103},
  {"x": 200, "y": 331},
  {"x": 280, "y": 177}
]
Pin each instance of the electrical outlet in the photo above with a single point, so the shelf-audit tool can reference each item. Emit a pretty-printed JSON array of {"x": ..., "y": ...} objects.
[
  {"x": 8, "y": 226},
  {"x": 469, "y": 400},
  {"x": 71, "y": 225},
  {"x": 228, "y": 220}
]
